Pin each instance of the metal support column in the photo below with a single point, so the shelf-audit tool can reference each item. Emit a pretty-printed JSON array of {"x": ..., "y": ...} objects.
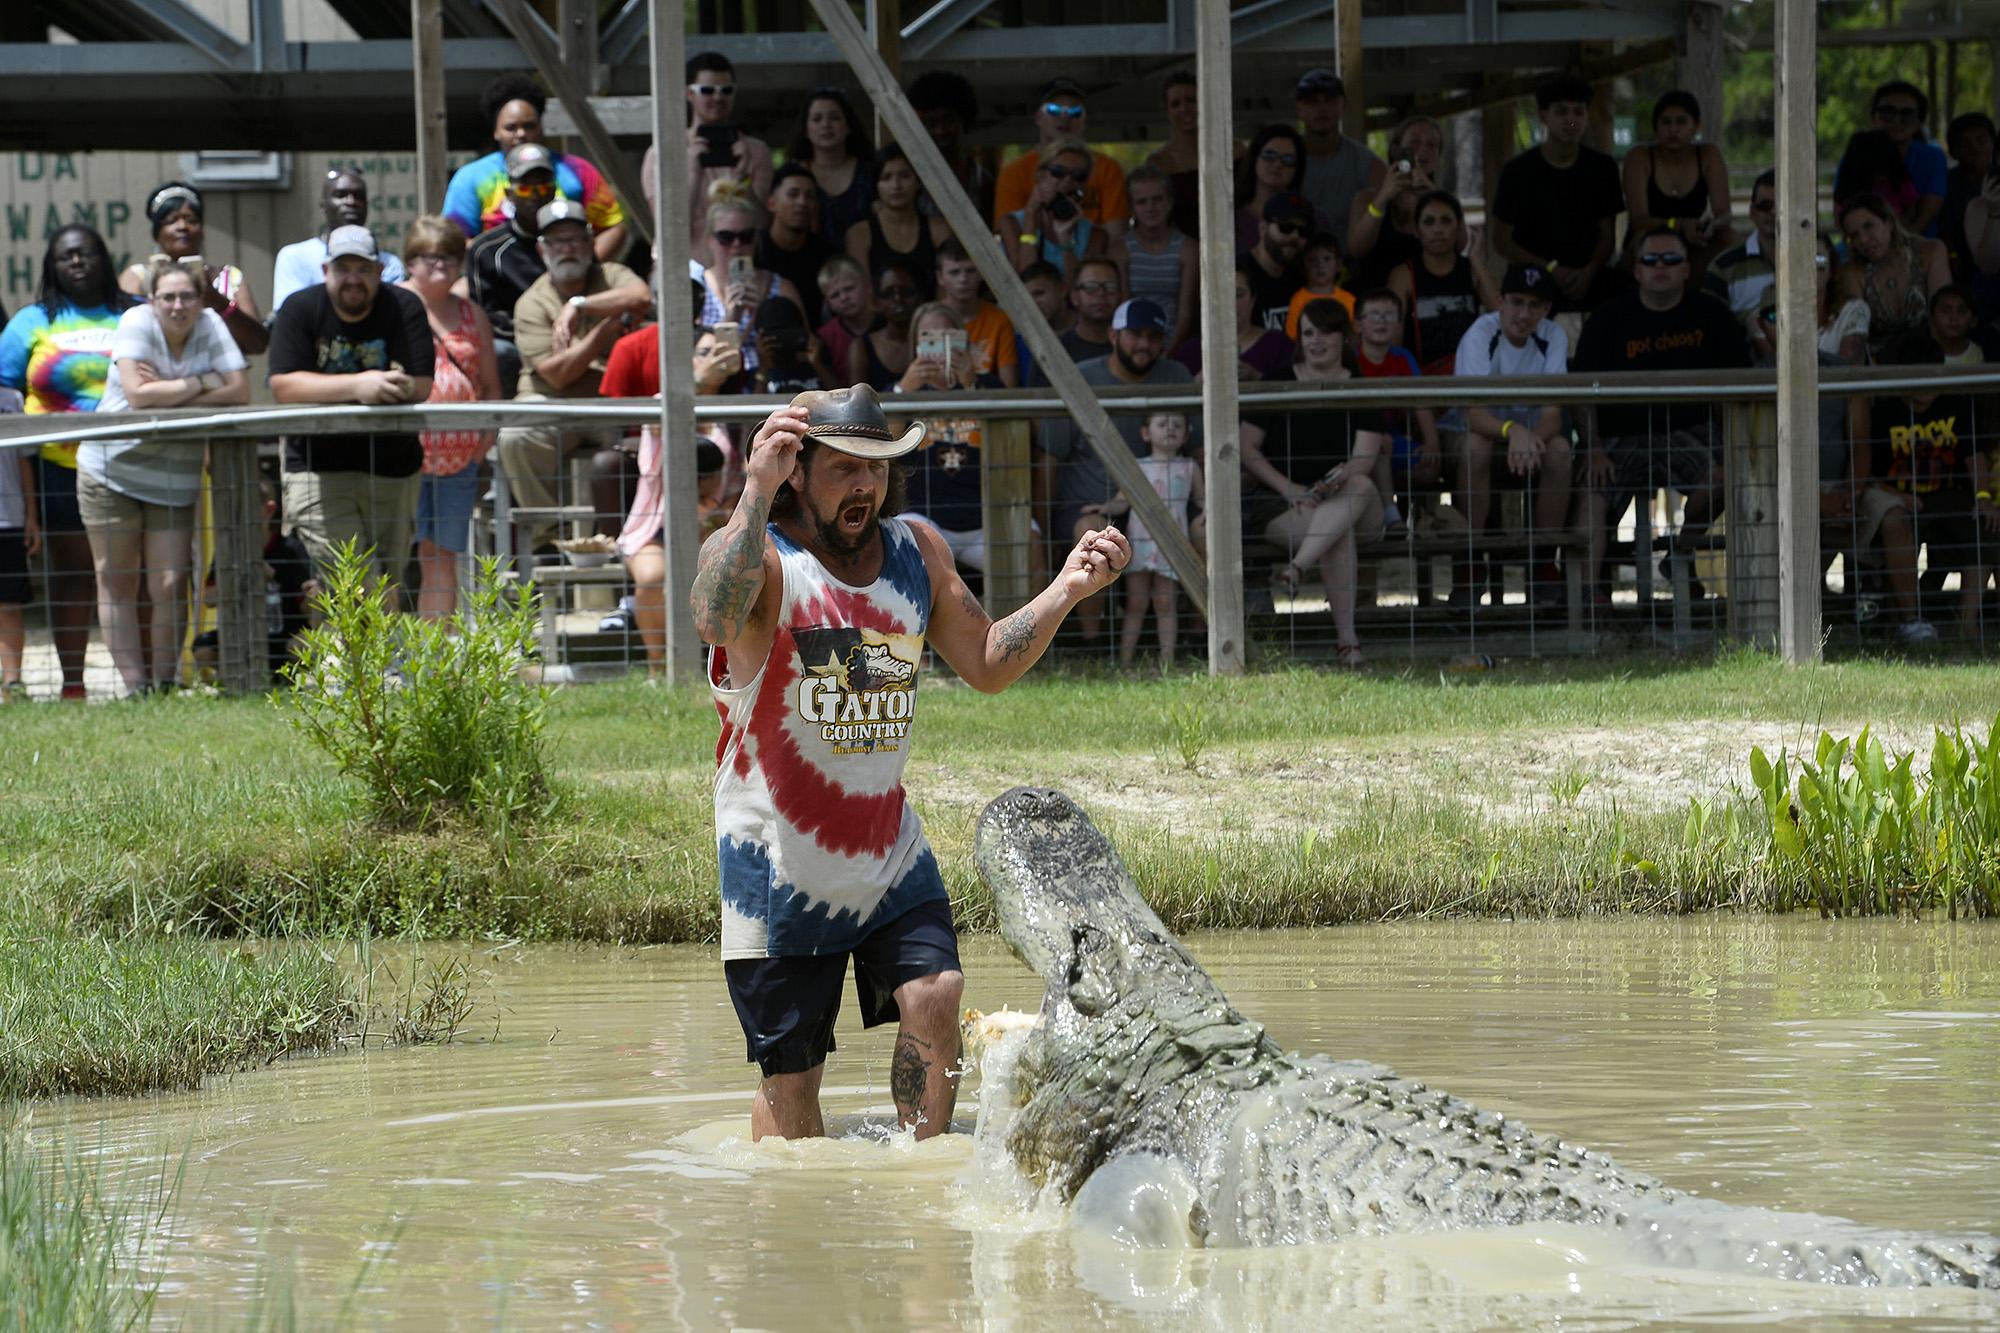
[
  {"x": 668, "y": 221},
  {"x": 1798, "y": 345},
  {"x": 427, "y": 51},
  {"x": 1222, "y": 459}
]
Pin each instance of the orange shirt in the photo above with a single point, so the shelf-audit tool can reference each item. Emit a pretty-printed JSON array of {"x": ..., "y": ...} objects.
[
  {"x": 1305, "y": 296},
  {"x": 1104, "y": 198},
  {"x": 991, "y": 336}
]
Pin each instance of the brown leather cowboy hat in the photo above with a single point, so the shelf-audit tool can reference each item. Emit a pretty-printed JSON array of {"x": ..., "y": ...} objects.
[{"x": 852, "y": 421}]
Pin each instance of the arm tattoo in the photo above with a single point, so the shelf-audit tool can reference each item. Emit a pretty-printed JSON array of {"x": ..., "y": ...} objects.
[
  {"x": 909, "y": 1076},
  {"x": 970, "y": 603},
  {"x": 728, "y": 578},
  {"x": 1017, "y": 634}
]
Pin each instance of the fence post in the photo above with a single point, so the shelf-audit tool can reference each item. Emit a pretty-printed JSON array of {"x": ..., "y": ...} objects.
[
  {"x": 1750, "y": 453},
  {"x": 1006, "y": 483},
  {"x": 236, "y": 507}
]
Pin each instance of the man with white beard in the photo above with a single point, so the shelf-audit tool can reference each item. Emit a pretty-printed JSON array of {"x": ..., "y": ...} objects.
[
  {"x": 352, "y": 340},
  {"x": 564, "y": 326}
]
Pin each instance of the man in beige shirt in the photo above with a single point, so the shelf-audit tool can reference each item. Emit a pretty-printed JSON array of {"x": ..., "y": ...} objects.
[{"x": 565, "y": 325}]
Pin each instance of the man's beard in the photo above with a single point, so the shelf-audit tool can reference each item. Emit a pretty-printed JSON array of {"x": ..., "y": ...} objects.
[
  {"x": 1131, "y": 365},
  {"x": 836, "y": 538},
  {"x": 352, "y": 299},
  {"x": 567, "y": 271}
]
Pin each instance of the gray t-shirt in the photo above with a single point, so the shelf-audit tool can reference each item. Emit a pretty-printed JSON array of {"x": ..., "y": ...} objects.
[
  {"x": 163, "y": 471},
  {"x": 1332, "y": 182},
  {"x": 1082, "y": 479}
]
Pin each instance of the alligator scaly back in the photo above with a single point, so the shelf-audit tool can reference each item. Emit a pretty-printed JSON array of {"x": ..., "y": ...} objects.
[{"x": 1137, "y": 1053}]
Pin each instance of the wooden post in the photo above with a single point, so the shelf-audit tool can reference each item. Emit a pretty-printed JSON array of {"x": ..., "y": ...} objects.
[
  {"x": 1750, "y": 468},
  {"x": 1222, "y": 457},
  {"x": 975, "y": 233},
  {"x": 427, "y": 43},
  {"x": 1798, "y": 345},
  {"x": 624, "y": 177},
  {"x": 1006, "y": 483},
  {"x": 1347, "y": 52},
  {"x": 668, "y": 221},
  {"x": 237, "y": 509},
  {"x": 576, "y": 34}
]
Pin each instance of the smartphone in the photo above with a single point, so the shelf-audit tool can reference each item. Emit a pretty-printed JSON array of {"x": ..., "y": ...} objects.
[
  {"x": 728, "y": 336},
  {"x": 718, "y": 145},
  {"x": 740, "y": 268}
]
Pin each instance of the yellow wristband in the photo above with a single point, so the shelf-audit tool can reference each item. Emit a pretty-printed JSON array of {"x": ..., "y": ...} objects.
[
  {"x": 1505, "y": 426},
  {"x": 1673, "y": 224},
  {"x": 1983, "y": 495},
  {"x": 1029, "y": 238},
  {"x": 1553, "y": 265},
  {"x": 1375, "y": 212}
]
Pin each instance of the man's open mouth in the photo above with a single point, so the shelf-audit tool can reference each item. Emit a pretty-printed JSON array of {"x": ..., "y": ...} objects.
[{"x": 855, "y": 516}]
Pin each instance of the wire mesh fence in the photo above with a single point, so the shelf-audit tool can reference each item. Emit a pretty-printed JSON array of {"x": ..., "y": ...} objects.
[{"x": 190, "y": 557}]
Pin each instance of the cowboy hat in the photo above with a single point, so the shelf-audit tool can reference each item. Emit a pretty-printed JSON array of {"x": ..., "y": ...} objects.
[{"x": 852, "y": 421}]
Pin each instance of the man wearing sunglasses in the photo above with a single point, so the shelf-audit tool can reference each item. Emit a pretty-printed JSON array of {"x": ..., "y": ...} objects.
[
  {"x": 1899, "y": 110},
  {"x": 478, "y": 197},
  {"x": 1095, "y": 294},
  {"x": 1742, "y": 276},
  {"x": 1663, "y": 325},
  {"x": 502, "y": 264},
  {"x": 1059, "y": 114},
  {"x": 343, "y": 202},
  {"x": 716, "y": 148},
  {"x": 1274, "y": 268}
]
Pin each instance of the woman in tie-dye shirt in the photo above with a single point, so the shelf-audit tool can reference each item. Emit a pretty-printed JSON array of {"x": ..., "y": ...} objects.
[
  {"x": 57, "y": 352},
  {"x": 477, "y": 200}
]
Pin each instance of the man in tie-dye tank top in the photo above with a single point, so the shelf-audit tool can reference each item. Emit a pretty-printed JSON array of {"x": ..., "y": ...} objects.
[{"x": 819, "y": 602}]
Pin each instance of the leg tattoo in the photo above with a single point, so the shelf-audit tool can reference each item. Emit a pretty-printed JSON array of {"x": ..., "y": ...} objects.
[{"x": 909, "y": 1076}]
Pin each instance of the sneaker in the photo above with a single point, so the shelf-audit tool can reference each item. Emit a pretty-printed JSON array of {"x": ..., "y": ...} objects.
[
  {"x": 624, "y": 620},
  {"x": 1916, "y": 631},
  {"x": 77, "y": 694},
  {"x": 1392, "y": 520}
]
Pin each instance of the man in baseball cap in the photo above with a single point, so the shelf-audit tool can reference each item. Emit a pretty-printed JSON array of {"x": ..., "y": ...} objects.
[
  {"x": 1139, "y": 315},
  {"x": 819, "y": 602},
  {"x": 1337, "y": 167}
]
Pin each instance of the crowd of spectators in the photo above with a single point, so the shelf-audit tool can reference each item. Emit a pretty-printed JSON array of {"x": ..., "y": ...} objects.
[{"x": 828, "y": 262}]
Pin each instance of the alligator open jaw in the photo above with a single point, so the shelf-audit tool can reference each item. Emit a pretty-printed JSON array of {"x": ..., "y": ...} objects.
[{"x": 1137, "y": 1052}]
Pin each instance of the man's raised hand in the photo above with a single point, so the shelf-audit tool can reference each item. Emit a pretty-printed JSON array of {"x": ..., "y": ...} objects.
[
  {"x": 774, "y": 450},
  {"x": 1095, "y": 562}
]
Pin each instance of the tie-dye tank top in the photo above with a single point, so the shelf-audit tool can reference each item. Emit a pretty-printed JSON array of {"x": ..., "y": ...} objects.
[
  {"x": 60, "y": 364},
  {"x": 816, "y": 840}
]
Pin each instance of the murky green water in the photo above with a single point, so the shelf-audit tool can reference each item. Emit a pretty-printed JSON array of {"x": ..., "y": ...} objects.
[{"x": 587, "y": 1167}]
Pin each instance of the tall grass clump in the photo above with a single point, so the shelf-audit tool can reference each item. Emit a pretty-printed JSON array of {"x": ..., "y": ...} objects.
[
  {"x": 436, "y": 719},
  {"x": 66, "y": 1248},
  {"x": 1858, "y": 830}
]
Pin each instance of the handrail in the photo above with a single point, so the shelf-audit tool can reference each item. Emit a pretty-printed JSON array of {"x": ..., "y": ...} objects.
[{"x": 263, "y": 422}]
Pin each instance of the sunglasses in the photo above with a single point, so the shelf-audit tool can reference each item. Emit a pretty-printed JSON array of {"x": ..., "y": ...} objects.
[
  {"x": 713, "y": 89},
  {"x": 1895, "y": 113},
  {"x": 1066, "y": 174},
  {"x": 1273, "y": 155},
  {"x": 1096, "y": 288},
  {"x": 1667, "y": 259},
  {"x": 1287, "y": 228},
  {"x": 728, "y": 237},
  {"x": 1065, "y": 112},
  {"x": 533, "y": 189}
]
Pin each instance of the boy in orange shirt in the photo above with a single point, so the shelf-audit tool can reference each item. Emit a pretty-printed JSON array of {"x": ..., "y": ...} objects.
[{"x": 988, "y": 331}]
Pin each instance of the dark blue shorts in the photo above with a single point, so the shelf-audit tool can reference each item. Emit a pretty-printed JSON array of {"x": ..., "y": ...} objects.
[
  {"x": 55, "y": 491},
  {"x": 787, "y": 1005}
]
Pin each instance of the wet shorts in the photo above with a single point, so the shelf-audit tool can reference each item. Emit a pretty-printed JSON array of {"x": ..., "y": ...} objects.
[{"x": 787, "y": 1005}]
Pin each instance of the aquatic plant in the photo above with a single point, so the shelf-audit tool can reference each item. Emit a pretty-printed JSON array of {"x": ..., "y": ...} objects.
[
  {"x": 66, "y": 1246},
  {"x": 435, "y": 718},
  {"x": 1860, "y": 830}
]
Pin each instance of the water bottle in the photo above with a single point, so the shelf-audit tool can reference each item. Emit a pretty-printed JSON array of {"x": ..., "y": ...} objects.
[{"x": 1470, "y": 662}]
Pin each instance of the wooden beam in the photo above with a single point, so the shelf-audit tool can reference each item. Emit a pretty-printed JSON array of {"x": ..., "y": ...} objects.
[
  {"x": 1643, "y": 56},
  {"x": 975, "y": 233},
  {"x": 427, "y": 50},
  {"x": 1798, "y": 340},
  {"x": 1006, "y": 491},
  {"x": 1700, "y": 66},
  {"x": 668, "y": 220},
  {"x": 1221, "y": 427},
  {"x": 885, "y": 25},
  {"x": 624, "y": 177},
  {"x": 1347, "y": 21}
]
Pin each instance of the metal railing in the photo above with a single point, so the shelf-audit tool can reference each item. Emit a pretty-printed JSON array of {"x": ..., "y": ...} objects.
[{"x": 1646, "y": 599}]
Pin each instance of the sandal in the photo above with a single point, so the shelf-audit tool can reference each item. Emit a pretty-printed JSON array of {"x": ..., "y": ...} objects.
[
  {"x": 1288, "y": 578},
  {"x": 1349, "y": 656}
]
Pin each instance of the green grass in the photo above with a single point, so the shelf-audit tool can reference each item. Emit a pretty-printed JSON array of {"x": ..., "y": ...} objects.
[
  {"x": 65, "y": 1247},
  {"x": 208, "y": 816}
]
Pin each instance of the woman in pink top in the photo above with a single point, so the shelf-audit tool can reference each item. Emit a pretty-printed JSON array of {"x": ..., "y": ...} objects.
[{"x": 465, "y": 372}]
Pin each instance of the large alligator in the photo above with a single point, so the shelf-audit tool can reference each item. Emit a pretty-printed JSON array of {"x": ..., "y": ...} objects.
[{"x": 1139, "y": 1071}]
